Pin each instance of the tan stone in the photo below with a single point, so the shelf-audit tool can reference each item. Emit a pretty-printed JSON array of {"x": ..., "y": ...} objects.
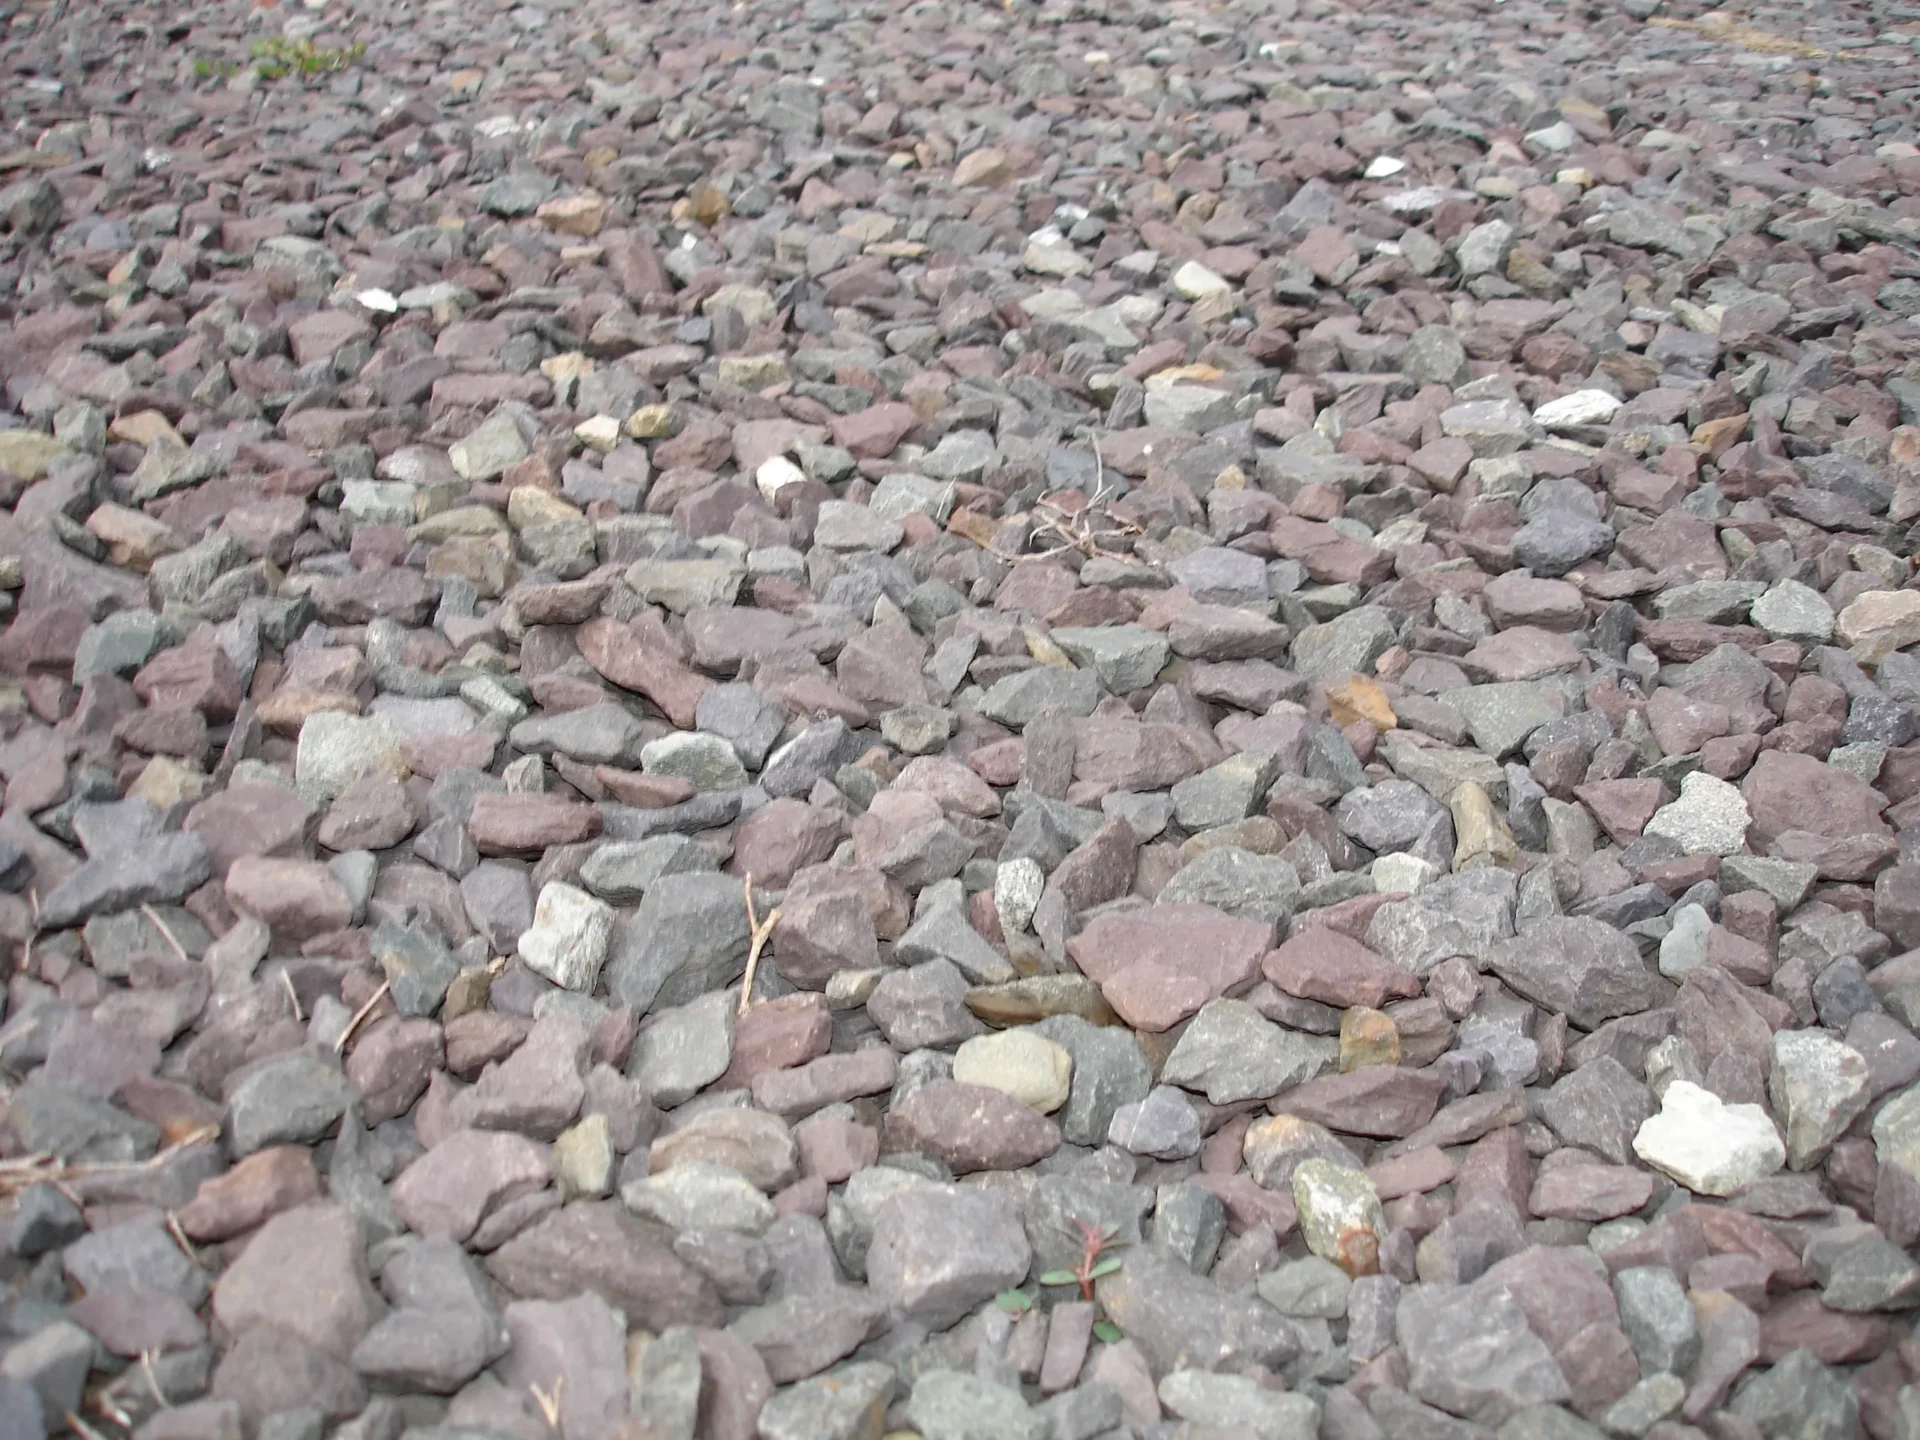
[
  {"x": 1367, "y": 1037},
  {"x": 1358, "y": 698},
  {"x": 574, "y": 214},
  {"x": 133, "y": 540},
  {"x": 986, "y": 167}
]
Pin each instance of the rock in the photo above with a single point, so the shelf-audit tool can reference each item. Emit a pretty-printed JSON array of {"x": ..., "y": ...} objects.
[
  {"x": 938, "y": 1253},
  {"x": 1470, "y": 1352},
  {"x": 1340, "y": 1214},
  {"x": 1710, "y": 1147},
  {"x": 1709, "y": 818},
  {"x": 971, "y": 1127},
  {"x": 302, "y": 1272},
  {"x": 1230, "y": 1053},
  {"x": 1817, "y": 1086},
  {"x": 1585, "y": 969},
  {"x": 568, "y": 940},
  {"x": 1235, "y": 1401},
  {"x": 947, "y": 1405},
  {"x": 1023, "y": 1064},
  {"x": 1183, "y": 1321}
]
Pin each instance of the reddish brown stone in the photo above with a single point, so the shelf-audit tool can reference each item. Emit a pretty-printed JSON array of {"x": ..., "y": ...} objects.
[
  {"x": 777, "y": 1035},
  {"x": 257, "y": 1188},
  {"x": 971, "y": 1127},
  {"x": 1322, "y": 964},
  {"x": 514, "y": 824},
  {"x": 643, "y": 658},
  {"x": 196, "y": 677},
  {"x": 1623, "y": 807},
  {"x": 296, "y": 898}
]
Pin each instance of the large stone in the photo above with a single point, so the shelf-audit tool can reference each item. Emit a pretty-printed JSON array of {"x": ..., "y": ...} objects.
[
  {"x": 938, "y": 1253},
  {"x": 1471, "y": 1353},
  {"x": 1709, "y": 1146},
  {"x": 1583, "y": 968}
]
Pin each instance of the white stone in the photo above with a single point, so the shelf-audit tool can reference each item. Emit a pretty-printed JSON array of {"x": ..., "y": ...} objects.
[
  {"x": 1382, "y": 167},
  {"x": 1708, "y": 1146},
  {"x": 336, "y": 749},
  {"x": 568, "y": 940},
  {"x": 1582, "y": 407},
  {"x": 1792, "y": 611},
  {"x": 1556, "y": 138},
  {"x": 1054, "y": 255},
  {"x": 1017, "y": 886},
  {"x": 1018, "y": 1062},
  {"x": 598, "y": 432},
  {"x": 1399, "y": 872},
  {"x": 381, "y": 302},
  {"x": 1709, "y": 818},
  {"x": 777, "y": 474},
  {"x": 1195, "y": 281}
]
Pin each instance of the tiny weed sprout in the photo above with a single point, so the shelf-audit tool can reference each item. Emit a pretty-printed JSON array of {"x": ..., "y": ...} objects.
[
  {"x": 274, "y": 59},
  {"x": 1092, "y": 1264}
]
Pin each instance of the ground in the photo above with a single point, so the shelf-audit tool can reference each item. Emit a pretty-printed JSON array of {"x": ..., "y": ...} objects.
[{"x": 959, "y": 720}]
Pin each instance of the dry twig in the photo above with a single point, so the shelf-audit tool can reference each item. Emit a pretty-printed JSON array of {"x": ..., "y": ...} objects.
[
  {"x": 340, "y": 1045},
  {"x": 549, "y": 1401},
  {"x": 166, "y": 934},
  {"x": 293, "y": 996},
  {"x": 762, "y": 931},
  {"x": 44, "y": 1167},
  {"x": 1087, "y": 528},
  {"x": 186, "y": 1245}
]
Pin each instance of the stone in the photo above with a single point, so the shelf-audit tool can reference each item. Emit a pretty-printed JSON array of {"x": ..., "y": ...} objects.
[
  {"x": 1817, "y": 1085},
  {"x": 1230, "y": 1053},
  {"x": 940, "y": 1252},
  {"x": 302, "y": 1272},
  {"x": 1228, "y": 1401},
  {"x": 1580, "y": 967},
  {"x": 1340, "y": 1215},
  {"x": 949, "y": 1405},
  {"x": 567, "y": 942},
  {"x": 1707, "y": 1145},
  {"x": 1470, "y": 1352},
  {"x": 1709, "y": 818},
  {"x": 971, "y": 1127},
  {"x": 1032, "y": 1069}
]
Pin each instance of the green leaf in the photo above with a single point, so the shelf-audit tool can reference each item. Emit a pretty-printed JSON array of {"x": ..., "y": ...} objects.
[
  {"x": 1110, "y": 1229},
  {"x": 1014, "y": 1302},
  {"x": 1105, "y": 1267},
  {"x": 1059, "y": 1277},
  {"x": 1106, "y": 1332}
]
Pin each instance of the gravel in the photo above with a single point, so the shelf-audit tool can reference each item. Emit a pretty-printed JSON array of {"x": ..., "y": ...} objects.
[{"x": 682, "y": 688}]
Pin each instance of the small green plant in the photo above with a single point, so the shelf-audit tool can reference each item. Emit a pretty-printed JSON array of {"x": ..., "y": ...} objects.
[
  {"x": 274, "y": 59},
  {"x": 1093, "y": 1262},
  {"x": 209, "y": 67},
  {"x": 1014, "y": 1302},
  {"x": 1106, "y": 1332}
]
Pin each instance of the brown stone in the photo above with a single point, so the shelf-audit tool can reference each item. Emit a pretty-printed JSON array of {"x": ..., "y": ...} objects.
[
  {"x": 971, "y": 1127},
  {"x": 778, "y": 1034},
  {"x": 1380, "y": 1101},
  {"x": 253, "y": 1191},
  {"x": 1787, "y": 792},
  {"x": 642, "y": 657},
  {"x": 297, "y": 899},
  {"x": 1321, "y": 964},
  {"x": 517, "y": 824}
]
